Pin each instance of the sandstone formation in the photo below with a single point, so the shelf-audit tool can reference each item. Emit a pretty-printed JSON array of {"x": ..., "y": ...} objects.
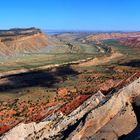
[
  {"x": 106, "y": 36},
  {"x": 99, "y": 117},
  {"x": 21, "y": 41}
]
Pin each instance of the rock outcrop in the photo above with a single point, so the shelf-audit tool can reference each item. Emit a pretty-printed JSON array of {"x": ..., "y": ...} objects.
[
  {"x": 54, "y": 124},
  {"x": 99, "y": 117},
  {"x": 21, "y": 41}
]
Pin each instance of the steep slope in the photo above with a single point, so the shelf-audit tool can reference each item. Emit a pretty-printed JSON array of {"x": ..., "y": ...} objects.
[
  {"x": 21, "y": 41},
  {"x": 4, "y": 49}
]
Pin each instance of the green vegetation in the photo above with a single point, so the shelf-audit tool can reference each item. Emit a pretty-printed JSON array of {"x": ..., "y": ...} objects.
[{"x": 123, "y": 49}]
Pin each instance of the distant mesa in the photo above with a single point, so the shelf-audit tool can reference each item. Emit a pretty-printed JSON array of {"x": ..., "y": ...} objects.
[{"x": 21, "y": 40}]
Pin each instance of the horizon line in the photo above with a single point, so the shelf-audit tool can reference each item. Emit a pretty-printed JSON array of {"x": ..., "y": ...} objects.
[{"x": 74, "y": 30}]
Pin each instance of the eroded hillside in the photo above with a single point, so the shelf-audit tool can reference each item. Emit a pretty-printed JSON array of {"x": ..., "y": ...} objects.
[
  {"x": 133, "y": 42},
  {"x": 107, "y": 36},
  {"x": 21, "y": 41}
]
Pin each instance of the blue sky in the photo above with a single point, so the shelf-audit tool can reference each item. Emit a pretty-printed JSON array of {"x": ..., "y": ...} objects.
[{"x": 71, "y": 14}]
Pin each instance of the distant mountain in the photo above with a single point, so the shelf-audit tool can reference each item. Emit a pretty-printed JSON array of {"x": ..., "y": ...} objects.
[
  {"x": 107, "y": 36},
  {"x": 21, "y": 40}
]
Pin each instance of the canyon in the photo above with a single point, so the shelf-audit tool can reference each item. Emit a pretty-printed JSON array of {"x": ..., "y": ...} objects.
[{"x": 69, "y": 86}]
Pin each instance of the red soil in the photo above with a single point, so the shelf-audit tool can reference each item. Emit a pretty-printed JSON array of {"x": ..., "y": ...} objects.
[{"x": 69, "y": 107}]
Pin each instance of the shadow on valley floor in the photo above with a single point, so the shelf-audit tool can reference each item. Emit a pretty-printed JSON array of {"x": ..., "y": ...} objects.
[
  {"x": 132, "y": 63},
  {"x": 37, "y": 79}
]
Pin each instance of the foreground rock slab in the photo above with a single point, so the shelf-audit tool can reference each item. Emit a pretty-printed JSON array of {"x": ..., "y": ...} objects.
[{"x": 122, "y": 123}]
